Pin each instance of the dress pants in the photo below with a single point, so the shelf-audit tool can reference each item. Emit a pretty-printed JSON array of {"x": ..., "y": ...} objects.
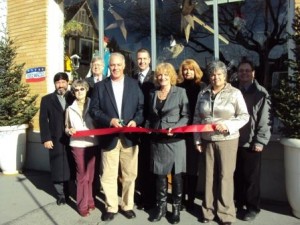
[
  {"x": 146, "y": 179},
  {"x": 85, "y": 170},
  {"x": 190, "y": 179},
  {"x": 127, "y": 158},
  {"x": 220, "y": 162},
  {"x": 62, "y": 189},
  {"x": 247, "y": 179}
]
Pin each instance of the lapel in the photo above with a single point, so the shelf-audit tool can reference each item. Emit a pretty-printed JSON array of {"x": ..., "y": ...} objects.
[
  {"x": 110, "y": 93},
  {"x": 91, "y": 81},
  {"x": 168, "y": 104},
  {"x": 56, "y": 102},
  {"x": 148, "y": 76},
  {"x": 125, "y": 95},
  {"x": 154, "y": 96}
]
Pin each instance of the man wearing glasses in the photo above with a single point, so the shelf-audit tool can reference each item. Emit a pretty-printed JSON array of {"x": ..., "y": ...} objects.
[{"x": 254, "y": 136}]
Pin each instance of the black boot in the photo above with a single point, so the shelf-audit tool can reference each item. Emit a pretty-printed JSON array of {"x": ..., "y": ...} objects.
[
  {"x": 160, "y": 212},
  {"x": 161, "y": 199},
  {"x": 184, "y": 192},
  {"x": 176, "y": 195},
  {"x": 175, "y": 218}
]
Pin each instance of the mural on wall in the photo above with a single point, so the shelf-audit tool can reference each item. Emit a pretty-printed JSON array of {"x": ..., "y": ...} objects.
[
  {"x": 245, "y": 24},
  {"x": 119, "y": 22}
]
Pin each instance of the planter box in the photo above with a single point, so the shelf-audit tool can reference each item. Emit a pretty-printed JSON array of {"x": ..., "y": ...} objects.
[
  {"x": 37, "y": 157},
  {"x": 292, "y": 172},
  {"x": 13, "y": 148}
]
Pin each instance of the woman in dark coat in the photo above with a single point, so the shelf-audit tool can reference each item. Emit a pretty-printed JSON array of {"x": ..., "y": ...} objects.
[
  {"x": 53, "y": 137},
  {"x": 189, "y": 78},
  {"x": 168, "y": 109}
]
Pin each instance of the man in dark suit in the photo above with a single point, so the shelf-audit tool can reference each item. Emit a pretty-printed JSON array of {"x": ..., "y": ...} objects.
[
  {"x": 118, "y": 101},
  {"x": 145, "y": 179},
  {"x": 97, "y": 67},
  {"x": 53, "y": 137}
]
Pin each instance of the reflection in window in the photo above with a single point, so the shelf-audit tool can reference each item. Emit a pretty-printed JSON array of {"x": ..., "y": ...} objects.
[{"x": 86, "y": 50}]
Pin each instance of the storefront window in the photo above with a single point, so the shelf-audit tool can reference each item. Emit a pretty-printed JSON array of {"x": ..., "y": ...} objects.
[{"x": 185, "y": 29}]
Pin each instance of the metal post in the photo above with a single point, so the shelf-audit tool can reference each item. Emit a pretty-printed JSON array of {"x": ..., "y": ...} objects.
[
  {"x": 216, "y": 29},
  {"x": 216, "y": 22},
  {"x": 101, "y": 27},
  {"x": 153, "y": 34}
]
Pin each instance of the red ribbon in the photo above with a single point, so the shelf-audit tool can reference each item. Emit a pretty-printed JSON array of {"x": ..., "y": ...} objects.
[{"x": 184, "y": 129}]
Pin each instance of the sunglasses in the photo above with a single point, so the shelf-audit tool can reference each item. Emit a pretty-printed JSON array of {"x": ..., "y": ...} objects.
[{"x": 80, "y": 89}]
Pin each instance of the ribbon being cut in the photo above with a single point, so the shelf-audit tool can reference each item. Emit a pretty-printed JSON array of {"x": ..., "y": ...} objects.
[{"x": 184, "y": 129}]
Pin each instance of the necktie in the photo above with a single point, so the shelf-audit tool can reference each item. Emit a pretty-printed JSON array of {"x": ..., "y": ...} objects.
[
  {"x": 97, "y": 79},
  {"x": 140, "y": 78}
]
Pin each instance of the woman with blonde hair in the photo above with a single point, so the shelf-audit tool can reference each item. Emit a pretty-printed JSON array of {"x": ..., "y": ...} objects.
[{"x": 168, "y": 109}]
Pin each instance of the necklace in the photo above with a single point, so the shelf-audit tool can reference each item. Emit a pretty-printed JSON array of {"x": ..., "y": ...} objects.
[{"x": 162, "y": 95}]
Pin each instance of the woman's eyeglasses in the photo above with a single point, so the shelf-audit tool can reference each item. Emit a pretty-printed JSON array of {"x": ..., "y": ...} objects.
[{"x": 80, "y": 89}]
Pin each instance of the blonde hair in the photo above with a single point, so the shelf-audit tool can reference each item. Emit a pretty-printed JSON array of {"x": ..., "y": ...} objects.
[
  {"x": 193, "y": 65},
  {"x": 166, "y": 68},
  {"x": 79, "y": 83}
]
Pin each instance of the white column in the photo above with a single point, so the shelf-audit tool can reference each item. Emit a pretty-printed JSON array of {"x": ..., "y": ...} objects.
[
  {"x": 55, "y": 41},
  {"x": 3, "y": 17}
]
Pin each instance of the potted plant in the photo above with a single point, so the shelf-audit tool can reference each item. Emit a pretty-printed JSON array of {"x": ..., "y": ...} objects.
[
  {"x": 287, "y": 109},
  {"x": 17, "y": 108}
]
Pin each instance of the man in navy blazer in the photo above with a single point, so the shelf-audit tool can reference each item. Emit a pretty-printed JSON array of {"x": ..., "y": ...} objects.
[{"x": 118, "y": 101}]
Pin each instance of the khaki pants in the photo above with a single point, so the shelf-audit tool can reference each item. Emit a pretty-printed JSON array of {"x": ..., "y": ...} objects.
[
  {"x": 127, "y": 159},
  {"x": 220, "y": 159}
]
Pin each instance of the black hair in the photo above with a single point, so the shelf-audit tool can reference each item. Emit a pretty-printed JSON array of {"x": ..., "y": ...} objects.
[
  {"x": 61, "y": 76},
  {"x": 245, "y": 60}
]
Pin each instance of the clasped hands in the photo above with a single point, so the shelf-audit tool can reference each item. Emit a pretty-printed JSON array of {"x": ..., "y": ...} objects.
[
  {"x": 115, "y": 122},
  {"x": 221, "y": 128}
]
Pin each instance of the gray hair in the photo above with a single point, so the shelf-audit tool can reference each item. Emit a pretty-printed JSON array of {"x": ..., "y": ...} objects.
[
  {"x": 96, "y": 58},
  {"x": 216, "y": 65},
  {"x": 118, "y": 54}
]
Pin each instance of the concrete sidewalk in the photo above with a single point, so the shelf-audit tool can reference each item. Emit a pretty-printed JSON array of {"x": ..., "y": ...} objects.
[{"x": 28, "y": 199}]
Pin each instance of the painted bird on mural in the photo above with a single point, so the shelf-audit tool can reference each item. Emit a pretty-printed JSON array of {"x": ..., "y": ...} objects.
[
  {"x": 188, "y": 18},
  {"x": 119, "y": 23}
]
